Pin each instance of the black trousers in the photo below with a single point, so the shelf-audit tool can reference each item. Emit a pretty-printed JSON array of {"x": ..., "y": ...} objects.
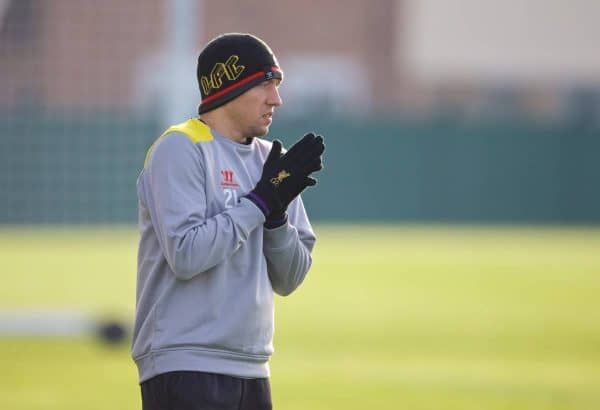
[{"x": 185, "y": 390}]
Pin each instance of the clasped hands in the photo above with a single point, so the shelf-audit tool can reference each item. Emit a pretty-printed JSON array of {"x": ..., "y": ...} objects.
[{"x": 285, "y": 176}]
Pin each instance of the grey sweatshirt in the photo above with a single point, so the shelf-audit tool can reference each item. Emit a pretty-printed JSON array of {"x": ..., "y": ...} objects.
[{"x": 207, "y": 267}]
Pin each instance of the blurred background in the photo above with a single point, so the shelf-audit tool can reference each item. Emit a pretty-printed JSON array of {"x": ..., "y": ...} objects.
[{"x": 458, "y": 262}]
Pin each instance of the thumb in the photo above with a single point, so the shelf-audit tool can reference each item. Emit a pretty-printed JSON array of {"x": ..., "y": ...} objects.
[
  {"x": 275, "y": 152},
  {"x": 310, "y": 181}
]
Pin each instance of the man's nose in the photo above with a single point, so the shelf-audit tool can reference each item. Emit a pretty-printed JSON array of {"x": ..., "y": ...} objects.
[{"x": 275, "y": 98}]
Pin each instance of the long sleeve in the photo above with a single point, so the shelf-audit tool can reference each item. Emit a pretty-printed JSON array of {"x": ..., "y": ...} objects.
[
  {"x": 288, "y": 250},
  {"x": 174, "y": 190}
]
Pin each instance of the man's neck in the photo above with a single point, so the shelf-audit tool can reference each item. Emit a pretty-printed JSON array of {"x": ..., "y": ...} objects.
[{"x": 224, "y": 127}]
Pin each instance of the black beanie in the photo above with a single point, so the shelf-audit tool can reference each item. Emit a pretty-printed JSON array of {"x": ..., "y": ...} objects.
[{"x": 230, "y": 65}]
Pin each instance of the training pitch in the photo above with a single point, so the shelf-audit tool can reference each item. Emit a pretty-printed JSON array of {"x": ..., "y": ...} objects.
[{"x": 390, "y": 317}]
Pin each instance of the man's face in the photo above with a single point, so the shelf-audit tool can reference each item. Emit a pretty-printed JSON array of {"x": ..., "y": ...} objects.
[{"x": 252, "y": 111}]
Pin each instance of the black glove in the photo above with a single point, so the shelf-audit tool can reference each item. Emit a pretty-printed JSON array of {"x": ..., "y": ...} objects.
[
  {"x": 285, "y": 176},
  {"x": 309, "y": 149}
]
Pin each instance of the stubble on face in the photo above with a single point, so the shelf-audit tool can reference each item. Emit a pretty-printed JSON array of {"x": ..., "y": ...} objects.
[
  {"x": 251, "y": 113},
  {"x": 248, "y": 125}
]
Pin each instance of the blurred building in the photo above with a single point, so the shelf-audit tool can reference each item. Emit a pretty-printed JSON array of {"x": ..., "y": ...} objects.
[
  {"x": 71, "y": 54},
  {"x": 466, "y": 58}
]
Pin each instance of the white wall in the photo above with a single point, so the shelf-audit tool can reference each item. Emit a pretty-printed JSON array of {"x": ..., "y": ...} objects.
[{"x": 556, "y": 40}]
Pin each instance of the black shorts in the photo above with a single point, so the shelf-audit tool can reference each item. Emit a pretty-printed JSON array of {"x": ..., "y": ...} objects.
[{"x": 185, "y": 390}]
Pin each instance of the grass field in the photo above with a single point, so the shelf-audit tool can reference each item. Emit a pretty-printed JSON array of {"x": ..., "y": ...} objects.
[{"x": 397, "y": 317}]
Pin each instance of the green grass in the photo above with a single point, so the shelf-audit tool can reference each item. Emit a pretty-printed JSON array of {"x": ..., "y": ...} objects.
[{"x": 390, "y": 317}]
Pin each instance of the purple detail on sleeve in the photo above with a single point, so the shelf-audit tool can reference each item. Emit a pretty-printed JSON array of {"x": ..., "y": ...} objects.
[{"x": 259, "y": 202}]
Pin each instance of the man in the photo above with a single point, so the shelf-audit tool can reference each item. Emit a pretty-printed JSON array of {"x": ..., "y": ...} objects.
[{"x": 222, "y": 226}]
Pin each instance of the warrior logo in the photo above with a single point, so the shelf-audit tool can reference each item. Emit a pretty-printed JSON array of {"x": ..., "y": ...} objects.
[{"x": 227, "y": 178}]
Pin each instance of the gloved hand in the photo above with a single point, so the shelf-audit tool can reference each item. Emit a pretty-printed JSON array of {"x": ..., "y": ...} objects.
[
  {"x": 309, "y": 147},
  {"x": 285, "y": 176}
]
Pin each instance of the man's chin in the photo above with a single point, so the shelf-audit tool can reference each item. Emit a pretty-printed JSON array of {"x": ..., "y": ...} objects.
[{"x": 260, "y": 131}]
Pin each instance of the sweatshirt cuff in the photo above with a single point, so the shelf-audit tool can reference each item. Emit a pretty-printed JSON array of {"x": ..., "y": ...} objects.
[
  {"x": 280, "y": 238},
  {"x": 245, "y": 200},
  {"x": 256, "y": 200}
]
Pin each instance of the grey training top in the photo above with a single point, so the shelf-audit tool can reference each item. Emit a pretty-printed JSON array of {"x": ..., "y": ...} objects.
[{"x": 207, "y": 267}]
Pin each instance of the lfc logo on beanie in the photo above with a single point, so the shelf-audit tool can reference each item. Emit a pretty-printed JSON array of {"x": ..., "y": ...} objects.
[
  {"x": 231, "y": 64},
  {"x": 230, "y": 70}
]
